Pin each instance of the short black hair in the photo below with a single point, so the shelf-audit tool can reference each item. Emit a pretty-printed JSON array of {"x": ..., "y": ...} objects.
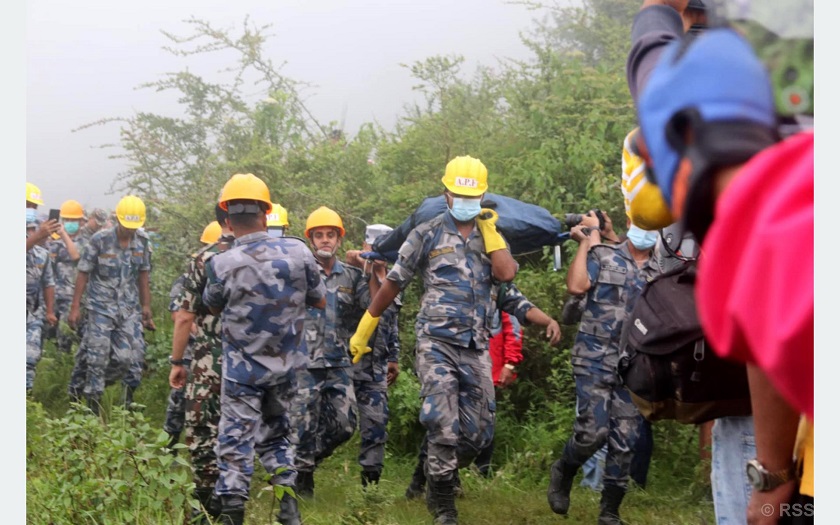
[{"x": 221, "y": 214}]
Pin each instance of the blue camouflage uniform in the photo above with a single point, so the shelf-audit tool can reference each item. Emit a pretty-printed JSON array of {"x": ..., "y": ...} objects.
[
  {"x": 370, "y": 383},
  {"x": 65, "y": 282},
  {"x": 113, "y": 339},
  {"x": 39, "y": 275},
  {"x": 606, "y": 414},
  {"x": 330, "y": 418},
  {"x": 262, "y": 286},
  {"x": 453, "y": 332}
]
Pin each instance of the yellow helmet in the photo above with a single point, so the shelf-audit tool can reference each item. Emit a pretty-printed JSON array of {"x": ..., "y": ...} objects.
[
  {"x": 465, "y": 176},
  {"x": 278, "y": 216},
  {"x": 324, "y": 216},
  {"x": 71, "y": 210},
  {"x": 245, "y": 186},
  {"x": 131, "y": 212},
  {"x": 33, "y": 194},
  {"x": 643, "y": 201},
  {"x": 211, "y": 233}
]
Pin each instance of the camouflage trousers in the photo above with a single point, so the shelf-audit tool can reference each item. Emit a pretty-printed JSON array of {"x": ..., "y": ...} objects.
[
  {"x": 261, "y": 420},
  {"x": 330, "y": 415},
  {"x": 459, "y": 404},
  {"x": 110, "y": 350},
  {"x": 606, "y": 414},
  {"x": 372, "y": 403},
  {"x": 203, "y": 410},
  {"x": 34, "y": 326}
]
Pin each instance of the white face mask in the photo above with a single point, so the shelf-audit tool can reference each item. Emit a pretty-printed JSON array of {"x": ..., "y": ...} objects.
[{"x": 325, "y": 254}]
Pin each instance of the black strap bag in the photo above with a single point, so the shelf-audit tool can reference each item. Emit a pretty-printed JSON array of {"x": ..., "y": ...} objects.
[{"x": 665, "y": 362}]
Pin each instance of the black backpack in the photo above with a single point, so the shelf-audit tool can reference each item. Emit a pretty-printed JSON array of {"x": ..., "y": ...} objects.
[{"x": 667, "y": 365}]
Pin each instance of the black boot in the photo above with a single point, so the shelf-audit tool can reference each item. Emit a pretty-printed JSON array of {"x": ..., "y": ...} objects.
[
  {"x": 456, "y": 485},
  {"x": 210, "y": 505},
  {"x": 611, "y": 498},
  {"x": 417, "y": 487},
  {"x": 232, "y": 511},
  {"x": 370, "y": 477},
  {"x": 129, "y": 397},
  {"x": 288, "y": 513},
  {"x": 93, "y": 402},
  {"x": 560, "y": 485},
  {"x": 174, "y": 438},
  {"x": 443, "y": 501},
  {"x": 305, "y": 485}
]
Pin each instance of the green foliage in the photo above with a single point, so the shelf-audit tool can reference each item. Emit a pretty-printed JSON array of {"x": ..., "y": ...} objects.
[{"x": 80, "y": 470}]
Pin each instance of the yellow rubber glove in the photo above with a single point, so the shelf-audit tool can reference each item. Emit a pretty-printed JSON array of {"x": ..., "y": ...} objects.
[
  {"x": 486, "y": 222},
  {"x": 359, "y": 341}
]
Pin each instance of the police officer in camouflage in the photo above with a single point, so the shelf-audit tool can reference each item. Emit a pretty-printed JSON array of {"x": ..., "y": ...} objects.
[
  {"x": 173, "y": 423},
  {"x": 261, "y": 286},
  {"x": 65, "y": 256},
  {"x": 114, "y": 271},
  {"x": 459, "y": 254},
  {"x": 330, "y": 418},
  {"x": 200, "y": 378},
  {"x": 40, "y": 300},
  {"x": 611, "y": 276},
  {"x": 374, "y": 372}
]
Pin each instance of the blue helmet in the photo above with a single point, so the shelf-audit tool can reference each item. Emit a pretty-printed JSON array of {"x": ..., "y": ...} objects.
[{"x": 717, "y": 78}]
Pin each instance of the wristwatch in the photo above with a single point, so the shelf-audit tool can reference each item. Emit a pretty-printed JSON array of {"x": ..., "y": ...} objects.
[
  {"x": 176, "y": 362},
  {"x": 511, "y": 367},
  {"x": 763, "y": 480}
]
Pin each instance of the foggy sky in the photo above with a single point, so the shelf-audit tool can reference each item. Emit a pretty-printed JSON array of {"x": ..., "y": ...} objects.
[{"x": 85, "y": 60}]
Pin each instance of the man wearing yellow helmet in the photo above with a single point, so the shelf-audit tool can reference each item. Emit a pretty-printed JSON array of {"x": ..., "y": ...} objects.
[
  {"x": 331, "y": 413},
  {"x": 277, "y": 220},
  {"x": 261, "y": 287},
  {"x": 40, "y": 295},
  {"x": 43, "y": 230},
  {"x": 114, "y": 271},
  {"x": 65, "y": 256},
  {"x": 460, "y": 256}
]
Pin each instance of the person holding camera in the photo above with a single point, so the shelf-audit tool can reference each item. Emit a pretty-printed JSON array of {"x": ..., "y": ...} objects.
[{"x": 611, "y": 276}]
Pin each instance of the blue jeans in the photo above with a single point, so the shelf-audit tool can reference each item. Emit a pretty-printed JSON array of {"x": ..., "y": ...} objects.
[
  {"x": 733, "y": 444},
  {"x": 593, "y": 470}
]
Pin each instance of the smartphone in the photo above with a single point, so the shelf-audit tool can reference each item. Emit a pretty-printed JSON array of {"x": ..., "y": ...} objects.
[{"x": 54, "y": 215}]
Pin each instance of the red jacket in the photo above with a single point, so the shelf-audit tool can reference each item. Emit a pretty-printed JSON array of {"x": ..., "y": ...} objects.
[
  {"x": 506, "y": 345},
  {"x": 755, "y": 280}
]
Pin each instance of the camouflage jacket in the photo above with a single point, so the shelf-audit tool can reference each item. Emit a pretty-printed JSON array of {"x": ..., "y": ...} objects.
[
  {"x": 373, "y": 366},
  {"x": 65, "y": 270},
  {"x": 39, "y": 275},
  {"x": 328, "y": 331},
  {"x": 112, "y": 288},
  {"x": 458, "y": 301},
  {"x": 262, "y": 286},
  {"x": 616, "y": 284}
]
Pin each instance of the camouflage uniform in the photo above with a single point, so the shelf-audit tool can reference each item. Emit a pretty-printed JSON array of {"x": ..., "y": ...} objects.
[
  {"x": 65, "y": 282},
  {"x": 39, "y": 275},
  {"x": 204, "y": 382},
  {"x": 113, "y": 338},
  {"x": 261, "y": 285},
  {"x": 453, "y": 331},
  {"x": 175, "y": 409},
  {"x": 330, "y": 418},
  {"x": 370, "y": 383},
  {"x": 605, "y": 410}
]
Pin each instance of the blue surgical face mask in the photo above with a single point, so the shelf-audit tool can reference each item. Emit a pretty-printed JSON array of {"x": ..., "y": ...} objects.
[
  {"x": 71, "y": 227},
  {"x": 277, "y": 232},
  {"x": 31, "y": 214},
  {"x": 465, "y": 209},
  {"x": 642, "y": 239}
]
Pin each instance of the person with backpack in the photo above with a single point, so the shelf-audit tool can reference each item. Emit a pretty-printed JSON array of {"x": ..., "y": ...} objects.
[{"x": 611, "y": 276}]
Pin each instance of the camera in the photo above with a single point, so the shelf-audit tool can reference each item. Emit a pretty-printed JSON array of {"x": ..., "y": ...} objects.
[{"x": 573, "y": 219}]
